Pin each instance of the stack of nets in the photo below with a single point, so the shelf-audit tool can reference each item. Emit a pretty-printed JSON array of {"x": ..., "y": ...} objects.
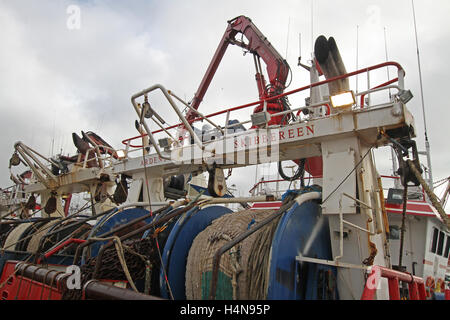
[
  {"x": 136, "y": 253},
  {"x": 243, "y": 271}
]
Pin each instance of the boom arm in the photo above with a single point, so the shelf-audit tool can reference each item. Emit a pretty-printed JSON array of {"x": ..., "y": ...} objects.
[{"x": 277, "y": 67}]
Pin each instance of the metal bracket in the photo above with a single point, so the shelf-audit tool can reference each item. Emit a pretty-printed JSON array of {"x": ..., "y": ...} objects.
[
  {"x": 197, "y": 141},
  {"x": 331, "y": 263}
]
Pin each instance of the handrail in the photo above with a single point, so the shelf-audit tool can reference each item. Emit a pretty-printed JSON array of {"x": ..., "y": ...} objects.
[
  {"x": 195, "y": 111},
  {"x": 59, "y": 247},
  {"x": 42, "y": 172},
  {"x": 377, "y": 87},
  {"x": 416, "y": 285},
  {"x": 400, "y": 79},
  {"x": 177, "y": 111},
  {"x": 27, "y": 153},
  {"x": 279, "y": 180}
]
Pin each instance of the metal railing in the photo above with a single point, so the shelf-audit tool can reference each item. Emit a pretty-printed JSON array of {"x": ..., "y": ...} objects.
[
  {"x": 416, "y": 285},
  {"x": 41, "y": 166},
  {"x": 223, "y": 129},
  {"x": 257, "y": 186}
]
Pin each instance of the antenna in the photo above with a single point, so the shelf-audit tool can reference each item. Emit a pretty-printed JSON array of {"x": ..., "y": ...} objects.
[
  {"x": 299, "y": 63},
  {"x": 53, "y": 134},
  {"x": 312, "y": 30},
  {"x": 357, "y": 54},
  {"x": 427, "y": 144},
  {"x": 287, "y": 37},
  {"x": 299, "y": 47}
]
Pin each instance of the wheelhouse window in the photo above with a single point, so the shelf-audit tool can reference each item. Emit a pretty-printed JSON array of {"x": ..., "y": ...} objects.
[
  {"x": 434, "y": 240},
  {"x": 394, "y": 232},
  {"x": 447, "y": 247},
  {"x": 440, "y": 248}
]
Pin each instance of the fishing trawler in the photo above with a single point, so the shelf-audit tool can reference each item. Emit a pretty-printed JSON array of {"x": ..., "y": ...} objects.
[{"x": 154, "y": 229}]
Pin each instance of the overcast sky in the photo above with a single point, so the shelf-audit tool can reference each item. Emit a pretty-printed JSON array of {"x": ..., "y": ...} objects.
[{"x": 59, "y": 75}]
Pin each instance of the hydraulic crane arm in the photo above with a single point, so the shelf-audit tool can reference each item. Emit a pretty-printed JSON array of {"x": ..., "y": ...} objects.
[{"x": 277, "y": 67}]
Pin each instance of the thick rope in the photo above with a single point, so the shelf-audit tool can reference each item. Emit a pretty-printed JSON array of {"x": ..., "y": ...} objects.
[
  {"x": 434, "y": 200},
  {"x": 120, "y": 254},
  {"x": 235, "y": 263},
  {"x": 258, "y": 265}
]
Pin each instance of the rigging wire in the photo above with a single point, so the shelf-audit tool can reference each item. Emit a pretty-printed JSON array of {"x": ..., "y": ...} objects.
[{"x": 348, "y": 175}]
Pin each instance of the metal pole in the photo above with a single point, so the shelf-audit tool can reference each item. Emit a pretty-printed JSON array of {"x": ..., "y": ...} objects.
[
  {"x": 357, "y": 56},
  {"x": 94, "y": 289},
  {"x": 427, "y": 144}
]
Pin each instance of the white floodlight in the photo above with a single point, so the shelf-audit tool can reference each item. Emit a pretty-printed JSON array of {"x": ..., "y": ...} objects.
[{"x": 343, "y": 99}]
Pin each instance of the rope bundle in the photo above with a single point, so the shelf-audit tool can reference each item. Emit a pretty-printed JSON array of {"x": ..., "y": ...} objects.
[{"x": 242, "y": 269}]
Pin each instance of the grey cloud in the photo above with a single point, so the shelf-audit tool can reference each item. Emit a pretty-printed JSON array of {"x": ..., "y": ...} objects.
[{"x": 54, "y": 81}]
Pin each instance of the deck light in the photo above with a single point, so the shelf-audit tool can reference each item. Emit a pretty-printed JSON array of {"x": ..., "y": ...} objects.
[
  {"x": 164, "y": 143},
  {"x": 343, "y": 99},
  {"x": 405, "y": 96},
  {"x": 260, "y": 118},
  {"x": 121, "y": 154}
]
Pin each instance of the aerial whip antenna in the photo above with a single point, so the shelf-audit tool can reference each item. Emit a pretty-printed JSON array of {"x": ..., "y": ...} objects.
[
  {"x": 312, "y": 30},
  {"x": 427, "y": 143},
  {"x": 287, "y": 40},
  {"x": 357, "y": 54}
]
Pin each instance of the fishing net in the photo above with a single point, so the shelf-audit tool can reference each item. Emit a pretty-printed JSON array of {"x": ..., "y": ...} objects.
[
  {"x": 136, "y": 252},
  {"x": 243, "y": 268},
  {"x": 14, "y": 236},
  {"x": 33, "y": 245}
]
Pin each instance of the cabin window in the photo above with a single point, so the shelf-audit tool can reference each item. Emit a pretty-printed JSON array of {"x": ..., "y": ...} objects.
[
  {"x": 440, "y": 248},
  {"x": 394, "y": 232},
  {"x": 447, "y": 247},
  {"x": 141, "y": 195},
  {"x": 434, "y": 240}
]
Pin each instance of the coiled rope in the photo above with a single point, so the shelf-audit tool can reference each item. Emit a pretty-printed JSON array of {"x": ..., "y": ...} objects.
[
  {"x": 258, "y": 266},
  {"x": 239, "y": 266}
]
